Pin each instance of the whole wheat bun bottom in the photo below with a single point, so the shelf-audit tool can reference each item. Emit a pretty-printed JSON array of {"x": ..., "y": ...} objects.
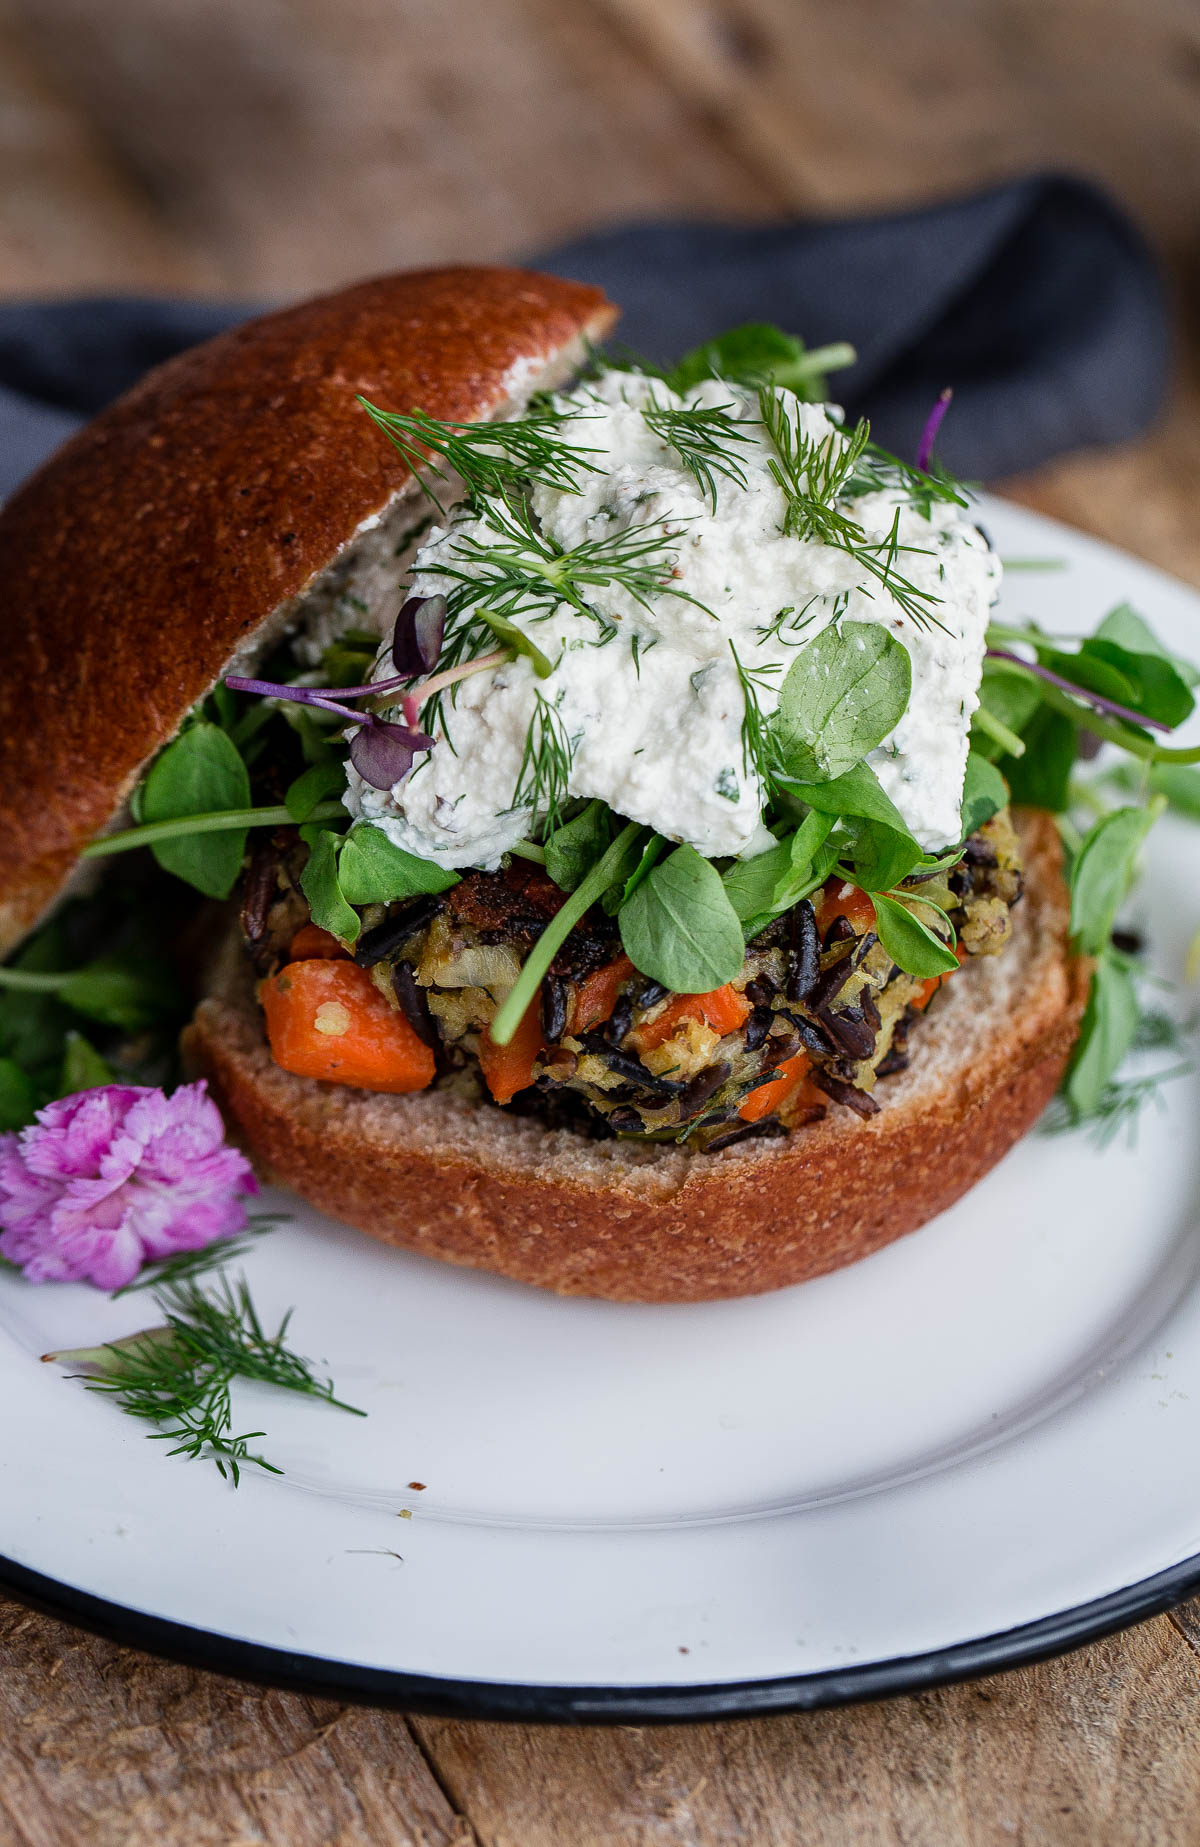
[{"x": 465, "y": 1182}]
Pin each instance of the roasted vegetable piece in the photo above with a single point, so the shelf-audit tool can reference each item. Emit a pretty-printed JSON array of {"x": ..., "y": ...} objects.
[
  {"x": 327, "y": 1019},
  {"x": 509, "y": 1068}
]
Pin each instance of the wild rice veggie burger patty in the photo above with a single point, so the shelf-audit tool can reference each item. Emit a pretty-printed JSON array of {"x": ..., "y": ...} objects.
[{"x": 817, "y": 1014}]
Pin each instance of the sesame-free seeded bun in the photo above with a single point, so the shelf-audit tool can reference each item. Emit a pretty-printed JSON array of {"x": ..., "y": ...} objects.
[
  {"x": 466, "y": 1182},
  {"x": 179, "y": 527}
]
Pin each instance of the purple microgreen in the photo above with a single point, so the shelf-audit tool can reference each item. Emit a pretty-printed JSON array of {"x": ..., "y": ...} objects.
[
  {"x": 1096, "y": 700},
  {"x": 933, "y": 424},
  {"x": 417, "y": 637},
  {"x": 451, "y": 675},
  {"x": 383, "y": 753},
  {"x": 300, "y": 695}
]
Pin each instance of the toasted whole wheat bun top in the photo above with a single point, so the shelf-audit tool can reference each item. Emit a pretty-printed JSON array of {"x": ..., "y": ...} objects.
[
  {"x": 181, "y": 524},
  {"x": 469, "y": 1183}
]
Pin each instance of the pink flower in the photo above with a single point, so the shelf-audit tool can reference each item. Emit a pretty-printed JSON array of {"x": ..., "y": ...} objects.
[{"x": 110, "y": 1179}]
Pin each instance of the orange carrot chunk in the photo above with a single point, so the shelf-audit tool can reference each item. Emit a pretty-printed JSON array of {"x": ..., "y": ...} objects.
[
  {"x": 327, "y": 1019},
  {"x": 724, "y": 1010},
  {"x": 509, "y": 1068},
  {"x": 597, "y": 996},
  {"x": 841, "y": 899},
  {"x": 768, "y": 1097},
  {"x": 311, "y": 941},
  {"x": 930, "y": 986}
]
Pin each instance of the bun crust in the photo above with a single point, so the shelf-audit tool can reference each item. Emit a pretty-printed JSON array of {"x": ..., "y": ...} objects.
[
  {"x": 465, "y": 1182},
  {"x": 163, "y": 536}
]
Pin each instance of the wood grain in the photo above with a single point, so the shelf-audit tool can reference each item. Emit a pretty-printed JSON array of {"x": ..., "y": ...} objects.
[
  {"x": 879, "y": 102},
  {"x": 105, "y": 1747},
  {"x": 298, "y": 143},
  {"x": 102, "y": 1747},
  {"x": 68, "y": 215}
]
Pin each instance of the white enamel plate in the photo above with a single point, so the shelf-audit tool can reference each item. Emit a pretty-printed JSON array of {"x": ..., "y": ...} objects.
[{"x": 979, "y": 1446}]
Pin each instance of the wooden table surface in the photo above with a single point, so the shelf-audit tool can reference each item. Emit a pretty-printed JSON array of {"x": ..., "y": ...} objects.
[{"x": 266, "y": 147}]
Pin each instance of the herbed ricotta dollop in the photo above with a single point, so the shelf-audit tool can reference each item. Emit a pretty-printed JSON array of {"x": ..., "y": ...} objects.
[{"x": 647, "y": 693}]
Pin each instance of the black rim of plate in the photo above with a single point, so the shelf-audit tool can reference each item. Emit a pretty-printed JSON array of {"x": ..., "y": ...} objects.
[{"x": 599, "y": 1705}]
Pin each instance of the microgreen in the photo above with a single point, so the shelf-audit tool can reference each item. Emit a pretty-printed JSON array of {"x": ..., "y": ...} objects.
[
  {"x": 929, "y": 434},
  {"x": 1108, "y": 1029},
  {"x": 314, "y": 786},
  {"x": 879, "y": 855},
  {"x": 418, "y": 635},
  {"x": 200, "y": 772},
  {"x": 1103, "y": 872},
  {"x": 574, "y": 848},
  {"x": 358, "y": 868},
  {"x": 275, "y": 815},
  {"x": 984, "y": 793},
  {"x": 384, "y": 753},
  {"x": 373, "y": 870},
  {"x": 857, "y": 794},
  {"x": 910, "y": 942},
  {"x": 757, "y": 354},
  {"x": 842, "y": 696},
  {"x": 327, "y": 903},
  {"x": 764, "y": 887},
  {"x": 178, "y": 1377},
  {"x": 613, "y": 865},
  {"x": 679, "y": 927}
]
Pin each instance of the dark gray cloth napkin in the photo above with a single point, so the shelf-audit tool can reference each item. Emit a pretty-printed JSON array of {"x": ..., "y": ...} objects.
[{"x": 1037, "y": 301}]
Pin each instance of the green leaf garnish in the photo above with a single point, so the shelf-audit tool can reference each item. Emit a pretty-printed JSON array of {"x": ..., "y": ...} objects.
[
  {"x": 18, "y": 1096},
  {"x": 573, "y": 849},
  {"x": 1110, "y": 1023},
  {"x": 842, "y": 696},
  {"x": 912, "y": 945},
  {"x": 111, "y": 990},
  {"x": 321, "y": 886},
  {"x": 371, "y": 870},
  {"x": 757, "y": 354},
  {"x": 1103, "y": 872},
  {"x": 200, "y": 773},
  {"x": 314, "y": 786},
  {"x": 612, "y": 866},
  {"x": 680, "y": 928},
  {"x": 985, "y": 793},
  {"x": 82, "y": 1067}
]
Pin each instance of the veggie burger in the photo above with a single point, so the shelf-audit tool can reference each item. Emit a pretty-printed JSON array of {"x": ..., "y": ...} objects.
[{"x": 627, "y": 894}]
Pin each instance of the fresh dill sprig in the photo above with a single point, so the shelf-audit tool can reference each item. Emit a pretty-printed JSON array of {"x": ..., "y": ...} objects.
[
  {"x": 797, "y": 620},
  {"x": 489, "y": 458},
  {"x": 701, "y": 438},
  {"x": 518, "y": 569},
  {"x": 815, "y": 475},
  {"x": 545, "y": 766},
  {"x": 1119, "y": 1107},
  {"x": 178, "y": 1377},
  {"x": 758, "y": 749},
  {"x": 878, "y": 469},
  {"x": 1122, "y": 1101},
  {"x": 189, "y": 1264}
]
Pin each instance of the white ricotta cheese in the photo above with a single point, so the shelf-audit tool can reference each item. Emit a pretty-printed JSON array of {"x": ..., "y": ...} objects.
[{"x": 645, "y": 693}]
